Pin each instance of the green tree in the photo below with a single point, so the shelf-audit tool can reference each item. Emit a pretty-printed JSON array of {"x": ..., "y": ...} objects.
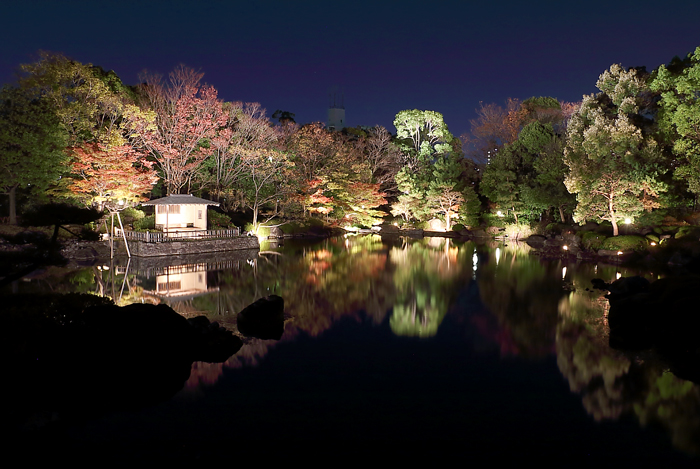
[
  {"x": 547, "y": 189},
  {"x": 424, "y": 139},
  {"x": 526, "y": 177},
  {"x": 422, "y": 133},
  {"x": 679, "y": 115},
  {"x": 614, "y": 167},
  {"x": 444, "y": 195},
  {"x": 32, "y": 144},
  {"x": 91, "y": 104},
  {"x": 265, "y": 181}
]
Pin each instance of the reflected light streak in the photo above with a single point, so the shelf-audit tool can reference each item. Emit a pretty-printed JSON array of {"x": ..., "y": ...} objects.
[
  {"x": 498, "y": 255},
  {"x": 563, "y": 273}
]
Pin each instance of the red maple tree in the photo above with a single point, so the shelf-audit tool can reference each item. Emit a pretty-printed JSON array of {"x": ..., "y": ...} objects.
[
  {"x": 186, "y": 114},
  {"x": 111, "y": 178}
]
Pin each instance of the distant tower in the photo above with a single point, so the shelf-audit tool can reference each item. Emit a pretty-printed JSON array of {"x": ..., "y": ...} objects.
[{"x": 336, "y": 113}]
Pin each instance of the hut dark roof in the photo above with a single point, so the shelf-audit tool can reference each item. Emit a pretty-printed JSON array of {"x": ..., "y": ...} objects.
[{"x": 180, "y": 199}]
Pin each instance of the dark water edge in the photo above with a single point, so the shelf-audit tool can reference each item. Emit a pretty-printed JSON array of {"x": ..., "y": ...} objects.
[{"x": 353, "y": 404}]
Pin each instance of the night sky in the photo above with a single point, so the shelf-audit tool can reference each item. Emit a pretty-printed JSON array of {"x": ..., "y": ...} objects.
[{"x": 382, "y": 56}]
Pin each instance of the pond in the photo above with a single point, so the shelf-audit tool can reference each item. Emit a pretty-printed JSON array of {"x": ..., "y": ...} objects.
[{"x": 411, "y": 348}]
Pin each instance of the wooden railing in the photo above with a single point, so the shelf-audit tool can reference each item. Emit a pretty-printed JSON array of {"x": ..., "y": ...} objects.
[{"x": 161, "y": 237}]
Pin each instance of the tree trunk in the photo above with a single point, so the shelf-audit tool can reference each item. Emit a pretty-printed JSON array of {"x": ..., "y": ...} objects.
[
  {"x": 561, "y": 214},
  {"x": 13, "y": 205},
  {"x": 255, "y": 218},
  {"x": 614, "y": 225},
  {"x": 613, "y": 218}
]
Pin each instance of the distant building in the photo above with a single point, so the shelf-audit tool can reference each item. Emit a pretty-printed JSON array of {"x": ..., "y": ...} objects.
[{"x": 336, "y": 114}]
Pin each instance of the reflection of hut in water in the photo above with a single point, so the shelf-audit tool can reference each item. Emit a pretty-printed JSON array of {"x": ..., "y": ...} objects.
[{"x": 181, "y": 282}]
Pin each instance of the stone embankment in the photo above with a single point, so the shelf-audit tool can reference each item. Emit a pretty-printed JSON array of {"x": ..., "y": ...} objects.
[{"x": 75, "y": 249}]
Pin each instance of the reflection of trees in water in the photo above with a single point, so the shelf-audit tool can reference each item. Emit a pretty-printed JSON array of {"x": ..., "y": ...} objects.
[
  {"x": 425, "y": 277},
  {"x": 522, "y": 292},
  {"x": 207, "y": 374},
  {"x": 320, "y": 284},
  {"x": 342, "y": 277},
  {"x": 593, "y": 371},
  {"x": 612, "y": 383}
]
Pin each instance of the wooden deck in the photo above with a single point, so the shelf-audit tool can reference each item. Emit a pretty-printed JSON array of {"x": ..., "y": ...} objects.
[{"x": 178, "y": 235}]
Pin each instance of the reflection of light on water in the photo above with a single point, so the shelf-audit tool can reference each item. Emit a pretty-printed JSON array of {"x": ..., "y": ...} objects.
[
  {"x": 595, "y": 269},
  {"x": 475, "y": 262},
  {"x": 498, "y": 255},
  {"x": 563, "y": 273},
  {"x": 618, "y": 275}
]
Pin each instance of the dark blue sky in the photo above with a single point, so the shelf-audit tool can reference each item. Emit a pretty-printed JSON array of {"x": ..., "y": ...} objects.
[{"x": 385, "y": 56}]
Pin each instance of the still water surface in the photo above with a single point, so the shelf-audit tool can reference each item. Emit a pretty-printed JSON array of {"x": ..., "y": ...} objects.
[{"x": 416, "y": 347}]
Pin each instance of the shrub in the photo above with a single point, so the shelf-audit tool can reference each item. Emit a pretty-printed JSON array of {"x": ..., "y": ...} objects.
[
  {"x": 88, "y": 234},
  {"x": 292, "y": 228},
  {"x": 311, "y": 221},
  {"x": 218, "y": 220},
  {"x": 145, "y": 223},
  {"x": 26, "y": 237},
  {"x": 553, "y": 228},
  {"x": 687, "y": 230},
  {"x": 518, "y": 231},
  {"x": 458, "y": 227},
  {"x": 132, "y": 213},
  {"x": 625, "y": 243},
  {"x": 592, "y": 240}
]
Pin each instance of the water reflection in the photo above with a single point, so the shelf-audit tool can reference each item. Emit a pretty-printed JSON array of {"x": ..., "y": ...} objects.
[
  {"x": 426, "y": 278},
  {"x": 503, "y": 299}
]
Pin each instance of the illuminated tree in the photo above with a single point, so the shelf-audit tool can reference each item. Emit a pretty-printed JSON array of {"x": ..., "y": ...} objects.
[
  {"x": 527, "y": 176},
  {"x": 332, "y": 176},
  {"x": 422, "y": 133},
  {"x": 614, "y": 168},
  {"x": 442, "y": 194},
  {"x": 246, "y": 133},
  {"x": 265, "y": 180},
  {"x": 32, "y": 143},
  {"x": 384, "y": 157},
  {"x": 91, "y": 104},
  {"x": 187, "y": 116},
  {"x": 680, "y": 116},
  {"x": 111, "y": 179},
  {"x": 424, "y": 139}
]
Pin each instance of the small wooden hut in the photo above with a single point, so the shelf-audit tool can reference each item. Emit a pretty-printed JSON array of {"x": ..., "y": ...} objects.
[{"x": 181, "y": 212}]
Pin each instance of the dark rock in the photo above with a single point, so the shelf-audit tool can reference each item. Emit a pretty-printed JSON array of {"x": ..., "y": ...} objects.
[
  {"x": 679, "y": 258},
  {"x": 626, "y": 286},
  {"x": 662, "y": 315},
  {"x": 389, "y": 228},
  {"x": 80, "y": 360},
  {"x": 214, "y": 343},
  {"x": 557, "y": 242},
  {"x": 536, "y": 241},
  {"x": 276, "y": 232},
  {"x": 263, "y": 319}
]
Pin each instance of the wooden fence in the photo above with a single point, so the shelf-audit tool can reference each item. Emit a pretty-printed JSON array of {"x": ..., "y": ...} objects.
[{"x": 161, "y": 237}]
